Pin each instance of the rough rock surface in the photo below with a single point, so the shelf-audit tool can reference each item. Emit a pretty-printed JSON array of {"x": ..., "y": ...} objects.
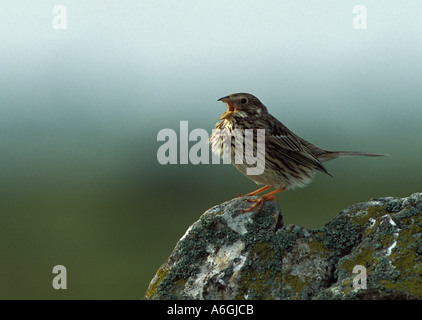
[{"x": 230, "y": 255}]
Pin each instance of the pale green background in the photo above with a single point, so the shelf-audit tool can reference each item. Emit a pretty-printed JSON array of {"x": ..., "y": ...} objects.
[{"x": 80, "y": 110}]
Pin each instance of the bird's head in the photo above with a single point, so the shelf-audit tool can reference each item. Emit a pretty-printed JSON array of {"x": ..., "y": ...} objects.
[{"x": 242, "y": 105}]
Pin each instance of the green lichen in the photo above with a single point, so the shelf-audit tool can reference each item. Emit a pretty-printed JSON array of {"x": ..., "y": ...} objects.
[
  {"x": 341, "y": 236},
  {"x": 264, "y": 251},
  {"x": 406, "y": 259},
  {"x": 260, "y": 278},
  {"x": 152, "y": 289},
  {"x": 348, "y": 287},
  {"x": 317, "y": 247},
  {"x": 409, "y": 212},
  {"x": 295, "y": 263},
  {"x": 364, "y": 257},
  {"x": 259, "y": 229},
  {"x": 214, "y": 230},
  {"x": 393, "y": 205},
  {"x": 376, "y": 212},
  {"x": 361, "y": 216},
  {"x": 316, "y": 243},
  {"x": 384, "y": 270},
  {"x": 192, "y": 250},
  {"x": 258, "y": 285},
  {"x": 293, "y": 285},
  {"x": 262, "y": 273},
  {"x": 286, "y": 237},
  {"x": 418, "y": 247}
]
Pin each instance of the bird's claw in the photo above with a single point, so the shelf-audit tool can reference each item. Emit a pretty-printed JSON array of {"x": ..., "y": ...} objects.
[{"x": 258, "y": 203}]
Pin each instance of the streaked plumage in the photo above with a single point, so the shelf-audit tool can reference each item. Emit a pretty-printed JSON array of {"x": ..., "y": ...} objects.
[{"x": 290, "y": 161}]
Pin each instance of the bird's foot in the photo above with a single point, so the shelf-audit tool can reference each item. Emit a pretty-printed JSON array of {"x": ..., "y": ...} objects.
[{"x": 259, "y": 202}]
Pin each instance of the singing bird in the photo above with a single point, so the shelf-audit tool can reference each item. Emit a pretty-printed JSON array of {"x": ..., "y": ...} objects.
[{"x": 290, "y": 161}]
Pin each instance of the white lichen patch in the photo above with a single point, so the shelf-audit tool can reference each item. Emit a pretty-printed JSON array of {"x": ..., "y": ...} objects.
[
  {"x": 215, "y": 267},
  {"x": 390, "y": 220},
  {"x": 187, "y": 232},
  {"x": 372, "y": 222},
  {"x": 390, "y": 248},
  {"x": 239, "y": 223}
]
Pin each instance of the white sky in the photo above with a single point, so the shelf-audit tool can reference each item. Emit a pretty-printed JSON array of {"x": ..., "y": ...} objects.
[{"x": 151, "y": 55}]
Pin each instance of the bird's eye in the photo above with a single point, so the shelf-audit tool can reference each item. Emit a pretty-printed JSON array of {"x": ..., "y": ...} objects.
[{"x": 243, "y": 101}]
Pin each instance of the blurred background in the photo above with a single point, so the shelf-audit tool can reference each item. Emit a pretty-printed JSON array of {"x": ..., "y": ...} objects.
[{"x": 80, "y": 110}]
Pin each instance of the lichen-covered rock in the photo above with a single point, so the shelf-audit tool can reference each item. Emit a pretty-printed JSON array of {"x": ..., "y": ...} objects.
[{"x": 228, "y": 254}]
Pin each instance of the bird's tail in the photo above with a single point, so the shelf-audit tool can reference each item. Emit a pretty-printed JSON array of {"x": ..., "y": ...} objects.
[{"x": 329, "y": 155}]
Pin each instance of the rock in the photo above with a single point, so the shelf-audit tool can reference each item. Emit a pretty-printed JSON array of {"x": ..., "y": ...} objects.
[{"x": 227, "y": 254}]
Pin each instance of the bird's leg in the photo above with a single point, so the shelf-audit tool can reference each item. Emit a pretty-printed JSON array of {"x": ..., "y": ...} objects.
[
  {"x": 260, "y": 201},
  {"x": 254, "y": 193}
]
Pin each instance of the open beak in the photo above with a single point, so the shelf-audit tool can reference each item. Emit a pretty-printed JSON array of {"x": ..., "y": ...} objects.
[{"x": 231, "y": 108}]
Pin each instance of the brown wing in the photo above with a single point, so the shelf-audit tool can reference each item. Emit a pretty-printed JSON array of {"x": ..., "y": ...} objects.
[{"x": 287, "y": 144}]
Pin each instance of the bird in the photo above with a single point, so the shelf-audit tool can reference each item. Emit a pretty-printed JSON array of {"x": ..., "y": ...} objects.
[{"x": 289, "y": 162}]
